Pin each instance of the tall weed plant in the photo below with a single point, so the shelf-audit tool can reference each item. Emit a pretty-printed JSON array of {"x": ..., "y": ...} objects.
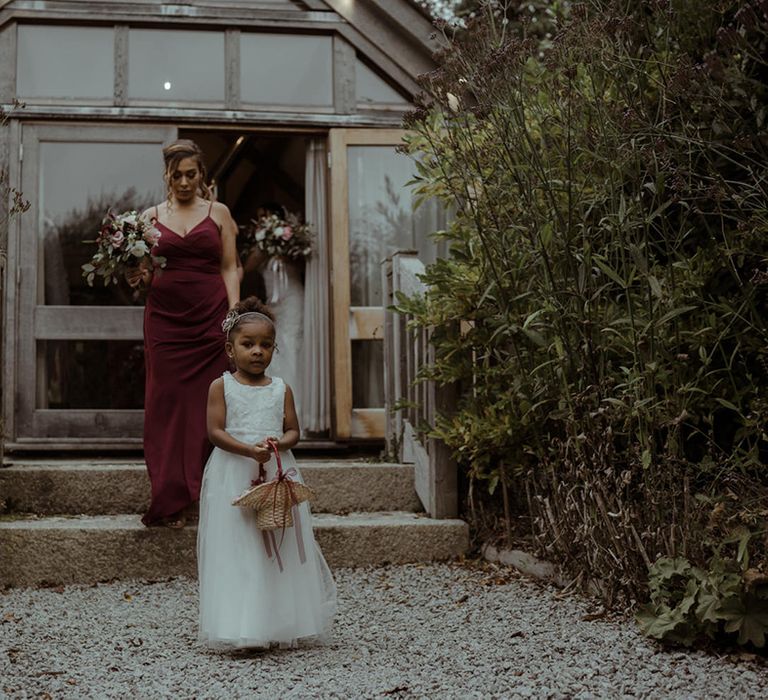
[{"x": 609, "y": 266}]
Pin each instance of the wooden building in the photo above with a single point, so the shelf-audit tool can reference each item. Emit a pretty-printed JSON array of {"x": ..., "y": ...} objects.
[{"x": 297, "y": 102}]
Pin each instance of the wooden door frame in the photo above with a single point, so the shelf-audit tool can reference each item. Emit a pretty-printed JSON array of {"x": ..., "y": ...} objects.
[
  {"x": 350, "y": 323},
  {"x": 29, "y": 321}
]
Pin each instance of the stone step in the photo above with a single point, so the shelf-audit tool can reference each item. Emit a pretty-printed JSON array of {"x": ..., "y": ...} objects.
[
  {"x": 112, "y": 487},
  {"x": 86, "y": 549}
]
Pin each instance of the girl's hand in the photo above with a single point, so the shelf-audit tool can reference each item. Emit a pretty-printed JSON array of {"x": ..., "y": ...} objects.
[{"x": 261, "y": 452}]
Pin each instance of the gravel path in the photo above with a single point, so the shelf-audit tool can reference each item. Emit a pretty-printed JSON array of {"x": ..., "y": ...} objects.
[{"x": 433, "y": 631}]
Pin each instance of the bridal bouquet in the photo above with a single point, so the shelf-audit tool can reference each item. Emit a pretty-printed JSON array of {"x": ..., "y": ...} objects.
[
  {"x": 278, "y": 237},
  {"x": 124, "y": 241}
]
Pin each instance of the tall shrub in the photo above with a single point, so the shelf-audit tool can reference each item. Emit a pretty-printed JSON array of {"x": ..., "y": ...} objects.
[{"x": 609, "y": 254}]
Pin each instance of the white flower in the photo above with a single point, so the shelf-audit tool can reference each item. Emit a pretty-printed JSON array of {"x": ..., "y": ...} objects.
[
  {"x": 139, "y": 249},
  {"x": 260, "y": 235}
]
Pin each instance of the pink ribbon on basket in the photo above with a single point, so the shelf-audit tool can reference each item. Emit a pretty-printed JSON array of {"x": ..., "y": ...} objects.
[{"x": 270, "y": 543}]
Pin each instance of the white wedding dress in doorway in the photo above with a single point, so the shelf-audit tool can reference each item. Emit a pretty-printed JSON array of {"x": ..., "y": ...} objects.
[{"x": 285, "y": 296}]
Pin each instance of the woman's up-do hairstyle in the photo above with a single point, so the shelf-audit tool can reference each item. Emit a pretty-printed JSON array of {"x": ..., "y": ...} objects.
[
  {"x": 177, "y": 151},
  {"x": 249, "y": 309}
]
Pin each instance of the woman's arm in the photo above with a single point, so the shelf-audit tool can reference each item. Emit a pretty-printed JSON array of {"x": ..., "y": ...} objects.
[
  {"x": 217, "y": 419},
  {"x": 228, "y": 253}
]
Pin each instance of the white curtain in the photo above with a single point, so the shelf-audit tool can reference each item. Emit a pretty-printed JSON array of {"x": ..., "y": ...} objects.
[{"x": 315, "y": 367}]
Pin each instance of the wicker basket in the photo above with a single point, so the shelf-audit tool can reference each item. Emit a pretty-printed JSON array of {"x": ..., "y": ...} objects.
[{"x": 273, "y": 500}]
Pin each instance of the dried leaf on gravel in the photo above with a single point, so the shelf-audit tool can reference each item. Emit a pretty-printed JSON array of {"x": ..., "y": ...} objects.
[
  {"x": 398, "y": 689},
  {"x": 599, "y": 615}
]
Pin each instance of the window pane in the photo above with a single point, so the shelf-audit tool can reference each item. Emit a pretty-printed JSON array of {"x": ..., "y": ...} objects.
[
  {"x": 176, "y": 66},
  {"x": 79, "y": 182},
  {"x": 66, "y": 62},
  {"x": 373, "y": 89},
  {"x": 381, "y": 217},
  {"x": 367, "y": 374},
  {"x": 277, "y": 69},
  {"x": 100, "y": 374}
]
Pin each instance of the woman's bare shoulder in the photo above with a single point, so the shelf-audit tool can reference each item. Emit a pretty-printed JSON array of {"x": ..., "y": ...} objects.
[
  {"x": 219, "y": 209},
  {"x": 152, "y": 212}
]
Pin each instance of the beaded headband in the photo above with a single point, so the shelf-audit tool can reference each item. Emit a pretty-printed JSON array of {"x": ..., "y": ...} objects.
[{"x": 233, "y": 318}]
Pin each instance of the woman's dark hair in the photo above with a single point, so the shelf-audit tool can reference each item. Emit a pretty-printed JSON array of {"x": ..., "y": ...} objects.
[{"x": 177, "y": 151}]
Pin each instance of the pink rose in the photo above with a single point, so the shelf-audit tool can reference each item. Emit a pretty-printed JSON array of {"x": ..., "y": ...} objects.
[
  {"x": 152, "y": 236},
  {"x": 116, "y": 238},
  {"x": 287, "y": 233}
]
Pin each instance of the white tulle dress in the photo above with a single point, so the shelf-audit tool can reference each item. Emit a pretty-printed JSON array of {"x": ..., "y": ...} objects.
[{"x": 245, "y": 599}]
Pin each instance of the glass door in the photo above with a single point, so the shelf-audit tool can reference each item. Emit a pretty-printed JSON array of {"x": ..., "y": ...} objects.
[
  {"x": 372, "y": 216},
  {"x": 78, "y": 351}
]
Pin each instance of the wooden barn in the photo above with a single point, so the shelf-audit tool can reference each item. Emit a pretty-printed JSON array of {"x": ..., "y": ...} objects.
[{"x": 297, "y": 102}]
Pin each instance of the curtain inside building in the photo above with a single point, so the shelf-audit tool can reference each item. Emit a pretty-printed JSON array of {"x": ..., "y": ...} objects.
[{"x": 315, "y": 365}]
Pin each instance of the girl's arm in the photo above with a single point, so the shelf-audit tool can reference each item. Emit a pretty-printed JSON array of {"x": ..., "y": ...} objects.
[
  {"x": 216, "y": 419},
  {"x": 291, "y": 432},
  {"x": 228, "y": 253}
]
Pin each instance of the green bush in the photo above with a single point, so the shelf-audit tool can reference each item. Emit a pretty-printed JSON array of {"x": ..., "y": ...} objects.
[
  {"x": 727, "y": 601},
  {"x": 609, "y": 260}
]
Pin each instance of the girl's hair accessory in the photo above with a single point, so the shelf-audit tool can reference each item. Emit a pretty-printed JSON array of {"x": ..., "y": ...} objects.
[{"x": 233, "y": 318}]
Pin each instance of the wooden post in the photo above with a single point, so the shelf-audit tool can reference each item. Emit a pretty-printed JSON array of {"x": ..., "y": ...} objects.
[
  {"x": 390, "y": 436},
  {"x": 442, "y": 466}
]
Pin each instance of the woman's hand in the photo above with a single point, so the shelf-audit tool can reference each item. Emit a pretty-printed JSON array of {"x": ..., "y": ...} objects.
[{"x": 139, "y": 275}]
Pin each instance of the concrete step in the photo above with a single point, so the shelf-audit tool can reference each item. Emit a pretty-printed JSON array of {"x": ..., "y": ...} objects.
[
  {"x": 86, "y": 549},
  {"x": 100, "y": 487}
]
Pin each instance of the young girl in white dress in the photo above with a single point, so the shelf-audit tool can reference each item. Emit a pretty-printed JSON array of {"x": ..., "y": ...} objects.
[{"x": 249, "y": 597}]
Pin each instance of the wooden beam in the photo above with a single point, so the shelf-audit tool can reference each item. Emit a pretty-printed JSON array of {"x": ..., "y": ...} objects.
[
  {"x": 339, "y": 229},
  {"x": 232, "y": 68},
  {"x": 213, "y": 118},
  {"x": 88, "y": 424},
  {"x": 147, "y": 13},
  {"x": 8, "y": 49},
  {"x": 344, "y": 82},
  {"x": 368, "y": 423},
  {"x": 409, "y": 43},
  {"x": 381, "y": 59},
  {"x": 89, "y": 322},
  {"x": 366, "y": 323},
  {"x": 121, "y": 65}
]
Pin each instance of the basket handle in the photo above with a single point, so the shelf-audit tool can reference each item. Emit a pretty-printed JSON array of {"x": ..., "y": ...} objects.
[{"x": 272, "y": 444}]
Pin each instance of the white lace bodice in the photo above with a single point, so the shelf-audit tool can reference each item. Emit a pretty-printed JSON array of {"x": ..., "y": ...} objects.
[{"x": 254, "y": 412}]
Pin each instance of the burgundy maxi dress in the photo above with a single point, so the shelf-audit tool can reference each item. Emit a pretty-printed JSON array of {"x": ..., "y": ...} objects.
[{"x": 184, "y": 353}]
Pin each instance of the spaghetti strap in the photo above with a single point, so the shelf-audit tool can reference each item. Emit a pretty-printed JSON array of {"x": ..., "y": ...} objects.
[
  {"x": 157, "y": 213},
  {"x": 210, "y": 207}
]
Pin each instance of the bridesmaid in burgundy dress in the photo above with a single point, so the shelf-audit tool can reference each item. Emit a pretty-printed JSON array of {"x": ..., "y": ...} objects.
[{"x": 183, "y": 341}]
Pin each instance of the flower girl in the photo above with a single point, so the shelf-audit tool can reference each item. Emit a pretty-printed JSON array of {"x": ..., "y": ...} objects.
[{"x": 250, "y": 595}]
